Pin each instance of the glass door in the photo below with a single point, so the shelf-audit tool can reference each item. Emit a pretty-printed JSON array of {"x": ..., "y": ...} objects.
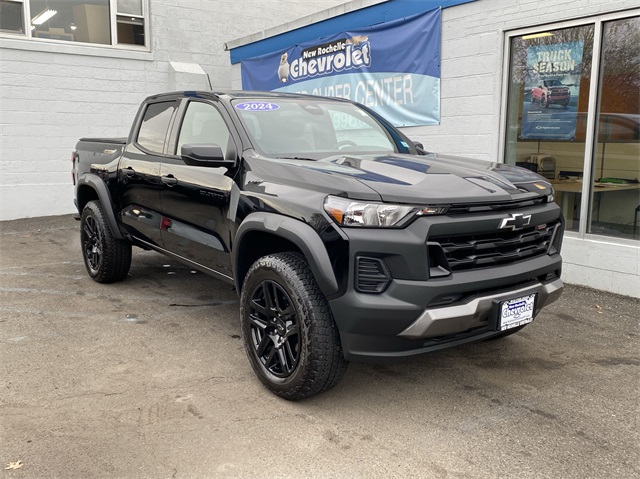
[
  {"x": 615, "y": 192},
  {"x": 547, "y": 103}
]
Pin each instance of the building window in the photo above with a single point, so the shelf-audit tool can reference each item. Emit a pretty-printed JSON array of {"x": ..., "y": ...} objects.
[
  {"x": 548, "y": 110},
  {"x": 130, "y": 21},
  {"x": 615, "y": 194},
  {"x": 11, "y": 19},
  {"x": 101, "y": 22}
]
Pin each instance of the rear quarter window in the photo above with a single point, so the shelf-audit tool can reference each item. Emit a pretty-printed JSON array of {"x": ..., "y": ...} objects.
[{"x": 155, "y": 125}]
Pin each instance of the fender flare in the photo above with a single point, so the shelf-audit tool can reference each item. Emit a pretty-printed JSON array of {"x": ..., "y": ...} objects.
[
  {"x": 97, "y": 184},
  {"x": 300, "y": 234}
]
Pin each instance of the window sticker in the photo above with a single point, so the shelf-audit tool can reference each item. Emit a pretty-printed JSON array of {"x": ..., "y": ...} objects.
[{"x": 257, "y": 106}]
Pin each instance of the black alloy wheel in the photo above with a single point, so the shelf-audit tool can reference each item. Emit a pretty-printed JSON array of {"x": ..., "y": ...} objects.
[
  {"x": 106, "y": 257},
  {"x": 288, "y": 331},
  {"x": 274, "y": 329},
  {"x": 92, "y": 244}
]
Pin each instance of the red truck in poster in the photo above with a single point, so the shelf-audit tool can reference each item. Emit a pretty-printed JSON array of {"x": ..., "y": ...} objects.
[{"x": 551, "y": 92}]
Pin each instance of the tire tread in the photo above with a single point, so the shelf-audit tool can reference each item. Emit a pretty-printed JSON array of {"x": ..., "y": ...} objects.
[
  {"x": 326, "y": 360},
  {"x": 116, "y": 254}
]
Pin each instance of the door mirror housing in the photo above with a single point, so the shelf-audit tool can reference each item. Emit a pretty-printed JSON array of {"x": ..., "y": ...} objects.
[
  {"x": 420, "y": 147},
  {"x": 208, "y": 155}
]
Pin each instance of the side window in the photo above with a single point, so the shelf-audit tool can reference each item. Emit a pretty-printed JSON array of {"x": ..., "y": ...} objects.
[
  {"x": 155, "y": 125},
  {"x": 203, "y": 124}
]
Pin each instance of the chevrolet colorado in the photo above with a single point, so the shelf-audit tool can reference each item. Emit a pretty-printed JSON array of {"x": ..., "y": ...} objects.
[{"x": 344, "y": 240}]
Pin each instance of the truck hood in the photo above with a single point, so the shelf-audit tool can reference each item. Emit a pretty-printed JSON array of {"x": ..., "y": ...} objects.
[{"x": 432, "y": 179}]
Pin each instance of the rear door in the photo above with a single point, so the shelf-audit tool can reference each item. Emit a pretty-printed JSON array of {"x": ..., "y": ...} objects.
[
  {"x": 195, "y": 199},
  {"x": 139, "y": 172}
]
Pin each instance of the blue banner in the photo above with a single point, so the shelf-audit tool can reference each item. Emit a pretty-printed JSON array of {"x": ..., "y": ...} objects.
[
  {"x": 393, "y": 68},
  {"x": 552, "y": 86}
]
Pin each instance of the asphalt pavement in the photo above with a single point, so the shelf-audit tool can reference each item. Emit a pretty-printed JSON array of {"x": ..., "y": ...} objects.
[{"x": 147, "y": 378}]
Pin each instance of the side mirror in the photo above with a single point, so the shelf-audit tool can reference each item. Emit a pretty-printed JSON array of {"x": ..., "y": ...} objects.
[
  {"x": 208, "y": 155},
  {"x": 418, "y": 145}
]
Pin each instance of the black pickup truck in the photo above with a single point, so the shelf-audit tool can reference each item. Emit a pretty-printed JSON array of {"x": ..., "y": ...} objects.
[{"x": 344, "y": 239}]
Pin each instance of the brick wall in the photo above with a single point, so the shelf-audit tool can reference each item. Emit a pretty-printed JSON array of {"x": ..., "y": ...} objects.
[{"x": 51, "y": 95}]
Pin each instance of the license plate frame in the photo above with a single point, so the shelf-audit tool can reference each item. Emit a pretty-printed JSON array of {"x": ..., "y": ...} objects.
[{"x": 516, "y": 312}]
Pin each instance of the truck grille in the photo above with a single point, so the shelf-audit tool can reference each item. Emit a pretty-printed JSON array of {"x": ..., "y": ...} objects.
[
  {"x": 473, "y": 251},
  {"x": 490, "y": 207}
]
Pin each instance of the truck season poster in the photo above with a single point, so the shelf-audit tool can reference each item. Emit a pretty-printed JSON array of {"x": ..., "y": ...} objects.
[
  {"x": 392, "y": 67},
  {"x": 552, "y": 83}
]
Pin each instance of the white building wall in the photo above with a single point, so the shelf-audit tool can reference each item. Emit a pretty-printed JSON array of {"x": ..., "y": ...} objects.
[{"x": 53, "y": 94}]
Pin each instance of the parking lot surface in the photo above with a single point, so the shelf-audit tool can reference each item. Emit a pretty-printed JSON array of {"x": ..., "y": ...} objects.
[{"x": 148, "y": 378}]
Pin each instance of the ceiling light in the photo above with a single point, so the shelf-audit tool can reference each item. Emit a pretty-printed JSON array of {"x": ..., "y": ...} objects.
[
  {"x": 537, "y": 35},
  {"x": 43, "y": 16}
]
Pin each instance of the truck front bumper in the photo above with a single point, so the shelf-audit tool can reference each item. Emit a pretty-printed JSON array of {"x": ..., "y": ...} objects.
[
  {"x": 454, "y": 319},
  {"x": 375, "y": 332},
  {"x": 417, "y": 312}
]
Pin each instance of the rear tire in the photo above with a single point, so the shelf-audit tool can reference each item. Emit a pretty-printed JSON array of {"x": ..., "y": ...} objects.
[
  {"x": 106, "y": 258},
  {"x": 288, "y": 331}
]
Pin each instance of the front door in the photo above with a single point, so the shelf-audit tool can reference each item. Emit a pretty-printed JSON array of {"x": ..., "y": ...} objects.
[{"x": 195, "y": 199}]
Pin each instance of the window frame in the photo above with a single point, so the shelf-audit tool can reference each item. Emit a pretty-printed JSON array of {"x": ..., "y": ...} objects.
[
  {"x": 598, "y": 22},
  {"x": 24, "y": 21},
  {"x": 113, "y": 29}
]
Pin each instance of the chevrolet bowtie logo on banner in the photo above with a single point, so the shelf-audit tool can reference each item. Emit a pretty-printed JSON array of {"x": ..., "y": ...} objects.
[
  {"x": 516, "y": 222},
  {"x": 393, "y": 68}
]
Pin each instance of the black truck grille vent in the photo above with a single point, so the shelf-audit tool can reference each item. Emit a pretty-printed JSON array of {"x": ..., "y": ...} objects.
[
  {"x": 489, "y": 207},
  {"x": 372, "y": 275},
  {"x": 473, "y": 251}
]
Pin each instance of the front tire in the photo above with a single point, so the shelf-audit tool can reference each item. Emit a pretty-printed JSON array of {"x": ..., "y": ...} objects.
[
  {"x": 106, "y": 258},
  {"x": 288, "y": 331}
]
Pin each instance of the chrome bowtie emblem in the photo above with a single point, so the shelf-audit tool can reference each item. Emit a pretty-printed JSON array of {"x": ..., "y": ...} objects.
[{"x": 516, "y": 222}]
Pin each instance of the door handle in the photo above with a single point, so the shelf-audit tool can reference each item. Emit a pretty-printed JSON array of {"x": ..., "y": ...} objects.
[
  {"x": 169, "y": 180},
  {"x": 128, "y": 171}
]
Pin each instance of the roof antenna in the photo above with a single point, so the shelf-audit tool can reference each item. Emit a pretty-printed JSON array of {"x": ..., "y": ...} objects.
[{"x": 209, "y": 80}]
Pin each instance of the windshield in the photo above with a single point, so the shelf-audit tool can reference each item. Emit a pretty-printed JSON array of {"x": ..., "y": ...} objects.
[{"x": 291, "y": 127}]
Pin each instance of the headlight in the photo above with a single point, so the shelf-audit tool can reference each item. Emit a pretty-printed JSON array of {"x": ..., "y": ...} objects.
[{"x": 347, "y": 212}]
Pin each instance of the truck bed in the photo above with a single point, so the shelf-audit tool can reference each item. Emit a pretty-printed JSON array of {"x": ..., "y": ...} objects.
[
  {"x": 96, "y": 151},
  {"x": 116, "y": 141}
]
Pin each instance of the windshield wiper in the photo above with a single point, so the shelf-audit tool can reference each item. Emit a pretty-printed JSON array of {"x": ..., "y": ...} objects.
[{"x": 295, "y": 158}]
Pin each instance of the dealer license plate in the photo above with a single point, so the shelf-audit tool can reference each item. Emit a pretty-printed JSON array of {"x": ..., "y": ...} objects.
[{"x": 516, "y": 312}]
